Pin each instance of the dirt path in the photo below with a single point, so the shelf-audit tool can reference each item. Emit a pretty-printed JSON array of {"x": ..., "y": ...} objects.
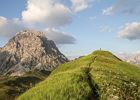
[{"x": 93, "y": 86}]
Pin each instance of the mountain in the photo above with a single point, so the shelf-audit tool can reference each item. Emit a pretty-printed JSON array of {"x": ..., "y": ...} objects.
[
  {"x": 132, "y": 58},
  {"x": 135, "y": 59},
  {"x": 25, "y": 60},
  {"x": 29, "y": 50},
  {"x": 98, "y": 76}
]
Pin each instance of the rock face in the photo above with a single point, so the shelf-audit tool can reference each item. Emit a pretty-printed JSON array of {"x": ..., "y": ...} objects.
[
  {"x": 28, "y": 51},
  {"x": 135, "y": 59},
  {"x": 131, "y": 58}
]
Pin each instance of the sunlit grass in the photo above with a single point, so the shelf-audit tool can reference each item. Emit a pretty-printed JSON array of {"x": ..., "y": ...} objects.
[{"x": 100, "y": 75}]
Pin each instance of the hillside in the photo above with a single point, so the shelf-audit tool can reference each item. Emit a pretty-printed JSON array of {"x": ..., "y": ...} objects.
[
  {"x": 98, "y": 76},
  {"x": 11, "y": 87},
  {"x": 28, "y": 58}
]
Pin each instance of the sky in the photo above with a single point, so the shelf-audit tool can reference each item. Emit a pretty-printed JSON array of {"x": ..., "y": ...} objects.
[{"x": 78, "y": 27}]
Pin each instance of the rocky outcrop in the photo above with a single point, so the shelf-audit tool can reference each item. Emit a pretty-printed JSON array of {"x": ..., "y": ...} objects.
[{"x": 28, "y": 51}]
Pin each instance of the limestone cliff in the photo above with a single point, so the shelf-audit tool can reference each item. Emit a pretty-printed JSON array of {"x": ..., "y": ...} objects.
[{"x": 28, "y": 51}]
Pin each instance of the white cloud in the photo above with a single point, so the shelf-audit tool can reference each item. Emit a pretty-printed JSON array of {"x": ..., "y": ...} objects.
[
  {"x": 3, "y": 21},
  {"x": 59, "y": 37},
  {"x": 49, "y": 12},
  {"x": 9, "y": 27},
  {"x": 80, "y": 5},
  {"x": 124, "y": 6},
  {"x": 45, "y": 13},
  {"x": 108, "y": 11},
  {"x": 52, "y": 13},
  {"x": 106, "y": 29},
  {"x": 130, "y": 31}
]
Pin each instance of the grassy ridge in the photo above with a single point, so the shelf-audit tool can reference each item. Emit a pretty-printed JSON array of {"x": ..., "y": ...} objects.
[{"x": 100, "y": 75}]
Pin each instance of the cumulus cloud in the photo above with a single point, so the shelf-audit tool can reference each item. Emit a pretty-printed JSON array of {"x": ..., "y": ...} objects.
[
  {"x": 124, "y": 6},
  {"x": 45, "y": 13},
  {"x": 80, "y": 5},
  {"x": 130, "y": 31},
  {"x": 9, "y": 27},
  {"x": 49, "y": 12},
  {"x": 52, "y": 13},
  {"x": 59, "y": 37}
]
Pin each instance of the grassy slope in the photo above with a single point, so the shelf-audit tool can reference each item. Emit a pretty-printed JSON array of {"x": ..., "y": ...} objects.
[
  {"x": 99, "y": 75},
  {"x": 11, "y": 87}
]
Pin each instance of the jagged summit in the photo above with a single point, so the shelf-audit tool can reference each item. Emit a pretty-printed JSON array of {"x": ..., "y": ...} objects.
[
  {"x": 30, "y": 32},
  {"x": 27, "y": 33},
  {"x": 27, "y": 51}
]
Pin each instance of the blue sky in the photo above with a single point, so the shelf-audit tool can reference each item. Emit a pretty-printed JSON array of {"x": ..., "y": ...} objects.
[{"x": 93, "y": 24}]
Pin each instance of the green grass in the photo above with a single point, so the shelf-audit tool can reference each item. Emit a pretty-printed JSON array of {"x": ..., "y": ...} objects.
[{"x": 98, "y": 76}]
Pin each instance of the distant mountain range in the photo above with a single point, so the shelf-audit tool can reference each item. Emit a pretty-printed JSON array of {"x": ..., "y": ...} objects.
[{"x": 131, "y": 58}]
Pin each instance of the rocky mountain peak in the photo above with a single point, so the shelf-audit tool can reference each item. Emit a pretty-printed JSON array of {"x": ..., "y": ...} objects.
[
  {"x": 33, "y": 33},
  {"x": 27, "y": 51}
]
